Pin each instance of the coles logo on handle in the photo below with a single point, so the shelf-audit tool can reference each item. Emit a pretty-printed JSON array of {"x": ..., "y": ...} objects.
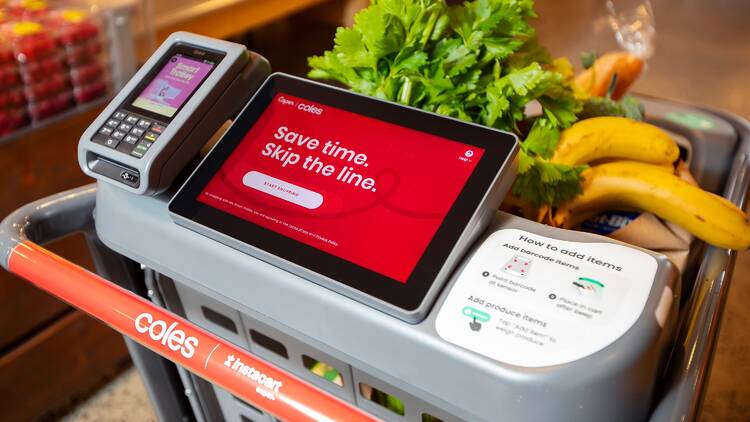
[{"x": 170, "y": 336}]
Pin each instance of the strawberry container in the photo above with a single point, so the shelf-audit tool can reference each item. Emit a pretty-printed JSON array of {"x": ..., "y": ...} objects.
[
  {"x": 12, "y": 97},
  {"x": 30, "y": 41},
  {"x": 40, "y": 70},
  {"x": 87, "y": 73},
  {"x": 82, "y": 53},
  {"x": 51, "y": 86},
  {"x": 40, "y": 110},
  {"x": 90, "y": 92}
]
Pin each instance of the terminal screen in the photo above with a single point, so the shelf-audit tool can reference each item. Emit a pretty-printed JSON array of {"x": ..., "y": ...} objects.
[
  {"x": 173, "y": 85},
  {"x": 367, "y": 191}
]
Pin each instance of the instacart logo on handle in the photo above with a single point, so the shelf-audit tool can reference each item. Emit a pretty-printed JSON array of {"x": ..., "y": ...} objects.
[
  {"x": 268, "y": 387},
  {"x": 169, "y": 336}
]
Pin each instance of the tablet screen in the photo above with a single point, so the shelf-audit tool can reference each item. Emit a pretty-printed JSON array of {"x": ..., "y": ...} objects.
[
  {"x": 372, "y": 199},
  {"x": 367, "y": 191}
]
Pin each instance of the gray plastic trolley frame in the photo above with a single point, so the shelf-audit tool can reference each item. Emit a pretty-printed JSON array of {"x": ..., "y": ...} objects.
[{"x": 705, "y": 285}]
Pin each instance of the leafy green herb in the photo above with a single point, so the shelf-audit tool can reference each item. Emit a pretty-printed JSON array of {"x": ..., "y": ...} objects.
[
  {"x": 479, "y": 61},
  {"x": 559, "y": 182}
]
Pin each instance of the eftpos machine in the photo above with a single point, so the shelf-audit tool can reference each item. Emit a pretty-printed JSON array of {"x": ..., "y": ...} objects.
[
  {"x": 339, "y": 257},
  {"x": 162, "y": 117}
]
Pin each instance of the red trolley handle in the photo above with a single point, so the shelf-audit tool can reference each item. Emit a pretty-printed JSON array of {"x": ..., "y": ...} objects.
[{"x": 246, "y": 376}]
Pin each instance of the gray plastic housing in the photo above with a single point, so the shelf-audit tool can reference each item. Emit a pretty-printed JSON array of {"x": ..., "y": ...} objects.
[
  {"x": 713, "y": 140},
  {"x": 407, "y": 360},
  {"x": 223, "y": 93}
]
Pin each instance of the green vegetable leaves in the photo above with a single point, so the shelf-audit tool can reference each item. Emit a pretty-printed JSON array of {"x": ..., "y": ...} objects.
[
  {"x": 352, "y": 51},
  {"x": 544, "y": 182},
  {"x": 382, "y": 32},
  {"x": 479, "y": 61},
  {"x": 542, "y": 139},
  {"x": 540, "y": 181}
]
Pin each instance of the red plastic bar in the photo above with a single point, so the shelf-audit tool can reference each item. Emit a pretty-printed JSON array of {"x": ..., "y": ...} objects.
[{"x": 258, "y": 382}]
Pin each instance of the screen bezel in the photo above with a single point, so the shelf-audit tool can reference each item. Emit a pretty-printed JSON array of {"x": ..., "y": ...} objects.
[
  {"x": 409, "y": 296},
  {"x": 188, "y": 50}
]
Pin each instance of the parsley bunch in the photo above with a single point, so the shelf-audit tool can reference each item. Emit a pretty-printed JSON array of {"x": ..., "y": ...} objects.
[{"x": 479, "y": 61}]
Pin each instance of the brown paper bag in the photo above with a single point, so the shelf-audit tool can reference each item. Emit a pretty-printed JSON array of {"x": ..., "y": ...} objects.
[{"x": 648, "y": 231}]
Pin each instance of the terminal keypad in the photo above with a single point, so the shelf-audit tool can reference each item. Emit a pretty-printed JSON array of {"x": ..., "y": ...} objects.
[{"x": 129, "y": 133}]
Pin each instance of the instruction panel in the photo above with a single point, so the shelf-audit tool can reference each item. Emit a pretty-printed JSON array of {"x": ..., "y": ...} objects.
[{"x": 529, "y": 300}]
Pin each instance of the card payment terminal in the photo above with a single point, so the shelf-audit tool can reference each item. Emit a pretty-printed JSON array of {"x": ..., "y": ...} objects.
[{"x": 162, "y": 117}]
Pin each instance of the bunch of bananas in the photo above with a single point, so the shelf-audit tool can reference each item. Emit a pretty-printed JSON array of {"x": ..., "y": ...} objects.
[{"x": 632, "y": 169}]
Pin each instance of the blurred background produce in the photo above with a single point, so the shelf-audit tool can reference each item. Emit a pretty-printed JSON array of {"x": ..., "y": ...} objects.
[{"x": 51, "y": 59}]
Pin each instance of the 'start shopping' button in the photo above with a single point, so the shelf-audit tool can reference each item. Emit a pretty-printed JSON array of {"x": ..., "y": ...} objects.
[{"x": 282, "y": 189}]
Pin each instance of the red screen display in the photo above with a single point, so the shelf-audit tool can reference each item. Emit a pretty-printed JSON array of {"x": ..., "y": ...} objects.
[{"x": 367, "y": 191}]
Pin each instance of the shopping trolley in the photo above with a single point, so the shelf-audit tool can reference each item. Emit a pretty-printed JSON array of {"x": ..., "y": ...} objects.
[{"x": 161, "y": 299}]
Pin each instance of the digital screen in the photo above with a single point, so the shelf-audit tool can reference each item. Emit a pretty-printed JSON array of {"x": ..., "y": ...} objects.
[
  {"x": 367, "y": 191},
  {"x": 173, "y": 85}
]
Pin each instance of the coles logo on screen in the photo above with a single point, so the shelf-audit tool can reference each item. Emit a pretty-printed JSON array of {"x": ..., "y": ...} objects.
[{"x": 309, "y": 108}]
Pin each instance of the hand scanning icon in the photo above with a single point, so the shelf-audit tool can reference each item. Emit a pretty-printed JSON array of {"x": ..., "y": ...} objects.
[{"x": 474, "y": 325}]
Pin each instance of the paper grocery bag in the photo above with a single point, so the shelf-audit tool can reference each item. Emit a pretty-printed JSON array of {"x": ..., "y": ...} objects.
[{"x": 648, "y": 231}]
